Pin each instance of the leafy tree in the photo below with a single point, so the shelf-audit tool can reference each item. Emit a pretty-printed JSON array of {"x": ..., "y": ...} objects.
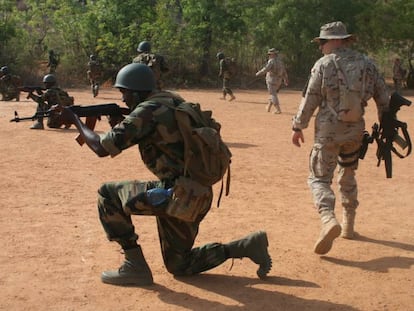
[{"x": 190, "y": 33}]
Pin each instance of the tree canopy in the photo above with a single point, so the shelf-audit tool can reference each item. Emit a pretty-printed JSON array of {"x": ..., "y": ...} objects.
[{"x": 189, "y": 33}]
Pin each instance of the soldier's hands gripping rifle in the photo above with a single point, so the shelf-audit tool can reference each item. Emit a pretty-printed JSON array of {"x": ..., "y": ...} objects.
[
  {"x": 387, "y": 133},
  {"x": 93, "y": 113}
]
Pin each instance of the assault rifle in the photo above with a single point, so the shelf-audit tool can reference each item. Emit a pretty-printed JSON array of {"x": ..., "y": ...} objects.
[
  {"x": 30, "y": 89},
  {"x": 387, "y": 133},
  {"x": 92, "y": 113}
]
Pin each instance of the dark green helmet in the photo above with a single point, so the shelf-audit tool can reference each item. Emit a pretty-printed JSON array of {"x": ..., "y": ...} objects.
[
  {"x": 220, "y": 55},
  {"x": 144, "y": 46},
  {"x": 4, "y": 70},
  {"x": 49, "y": 78},
  {"x": 135, "y": 77}
]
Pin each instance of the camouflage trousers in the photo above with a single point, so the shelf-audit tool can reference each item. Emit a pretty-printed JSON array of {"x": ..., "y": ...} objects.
[
  {"x": 226, "y": 87},
  {"x": 118, "y": 201},
  {"x": 273, "y": 88},
  {"x": 324, "y": 159}
]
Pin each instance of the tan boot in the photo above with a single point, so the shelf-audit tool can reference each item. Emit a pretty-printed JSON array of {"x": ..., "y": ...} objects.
[
  {"x": 278, "y": 111},
  {"x": 134, "y": 271},
  {"x": 38, "y": 125},
  {"x": 269, "y": 106},
  {"x": 348, "y": 224},
  {"x": 329, "y": 232}
]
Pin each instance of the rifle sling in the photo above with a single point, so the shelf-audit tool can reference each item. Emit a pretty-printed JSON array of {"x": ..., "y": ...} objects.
[{"x": 407, "y": 140}]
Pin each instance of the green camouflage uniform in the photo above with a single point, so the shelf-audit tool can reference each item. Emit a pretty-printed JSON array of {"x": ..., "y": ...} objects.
[
  {"x": 225, "y": 74},
  {"x": 156, "y": 62},
  {"x": 53, "y": 61},
  {"x": 9, "y": 87},
  {"x": 335, "y": 141},
  {"x": 94, "y": 72},
  {"x": 52, "y": 96},
  {"x": 150, "y": 123}
]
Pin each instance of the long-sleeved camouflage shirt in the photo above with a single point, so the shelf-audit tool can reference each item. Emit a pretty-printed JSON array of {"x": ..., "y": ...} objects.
[
  {"x": 323, "y": 92},
  {"x": 153, "y": 127},
  {"x": 275, "y": 71}
]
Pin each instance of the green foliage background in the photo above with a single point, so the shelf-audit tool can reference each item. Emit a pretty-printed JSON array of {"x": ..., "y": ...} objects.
[{"x": 189, "y": 33}]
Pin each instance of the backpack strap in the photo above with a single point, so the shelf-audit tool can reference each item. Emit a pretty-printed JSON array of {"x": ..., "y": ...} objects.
[
  {"x": 344, "y": 76},
  {"x": 222, "y": 186},
  {"x": 170, "y": 100}
]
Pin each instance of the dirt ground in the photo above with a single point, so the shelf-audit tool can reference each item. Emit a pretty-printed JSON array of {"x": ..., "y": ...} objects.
[{"x": 53, "y": 247}]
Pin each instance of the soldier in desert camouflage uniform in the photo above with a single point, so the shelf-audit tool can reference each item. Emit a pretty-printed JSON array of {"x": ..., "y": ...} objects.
[
  {"x": 336, "y": 142},
  {"x": 276, "y": 74},
  {"x": 151, "y": 125}
]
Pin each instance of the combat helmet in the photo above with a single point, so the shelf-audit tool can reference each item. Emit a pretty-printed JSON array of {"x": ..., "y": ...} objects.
[
  {"x": 4, "y": 70},
  {"x": 136, "y": 77},
  {"x": 49, "y": 78},
  {"x": 144, "y": 47},
  {"x": 220, "y": 55}
]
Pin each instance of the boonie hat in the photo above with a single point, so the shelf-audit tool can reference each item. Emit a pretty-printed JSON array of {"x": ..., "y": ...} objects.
[
  {"x": 272, "y": 51},
  {"x": 335, "y": 30}
]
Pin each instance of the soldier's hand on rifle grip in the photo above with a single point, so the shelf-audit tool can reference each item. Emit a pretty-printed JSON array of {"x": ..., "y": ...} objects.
[{"x": 114, "y": 120}]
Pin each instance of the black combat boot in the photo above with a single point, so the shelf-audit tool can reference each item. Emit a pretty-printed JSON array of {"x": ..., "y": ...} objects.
[
  {"x": 134, "y": 271},
  {"x": 253, "y": 246}
]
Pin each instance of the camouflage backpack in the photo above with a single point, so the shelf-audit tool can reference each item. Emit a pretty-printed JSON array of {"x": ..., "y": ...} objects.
[
  {"x": 149, "y": 59},
  {"x": 206, "y": 157},
  {"x": 64, "y": 99},
  {"x": 351, "y": 80},
  {"x": 231, "y": 65}
]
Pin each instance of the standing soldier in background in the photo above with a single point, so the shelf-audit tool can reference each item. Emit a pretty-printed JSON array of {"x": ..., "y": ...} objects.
[
  {"x": 398, "y": 75},
  {"x": 155, "y": 61},
  {"x": 9, "y": 85},
  {"x": 53, "y": 61},
  {"x": 275, "y": 75},
  {"x": 340, "y": 85},
  {"x": 51, "y": 97},
  {"x": 94, "y": 73},
  {"x": 225, "y": 73}
]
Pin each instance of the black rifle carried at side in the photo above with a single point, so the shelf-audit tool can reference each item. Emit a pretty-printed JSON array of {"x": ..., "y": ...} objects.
[
  {"x": 92, "y": 114},
  {"x": 387, "y": 132}
]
